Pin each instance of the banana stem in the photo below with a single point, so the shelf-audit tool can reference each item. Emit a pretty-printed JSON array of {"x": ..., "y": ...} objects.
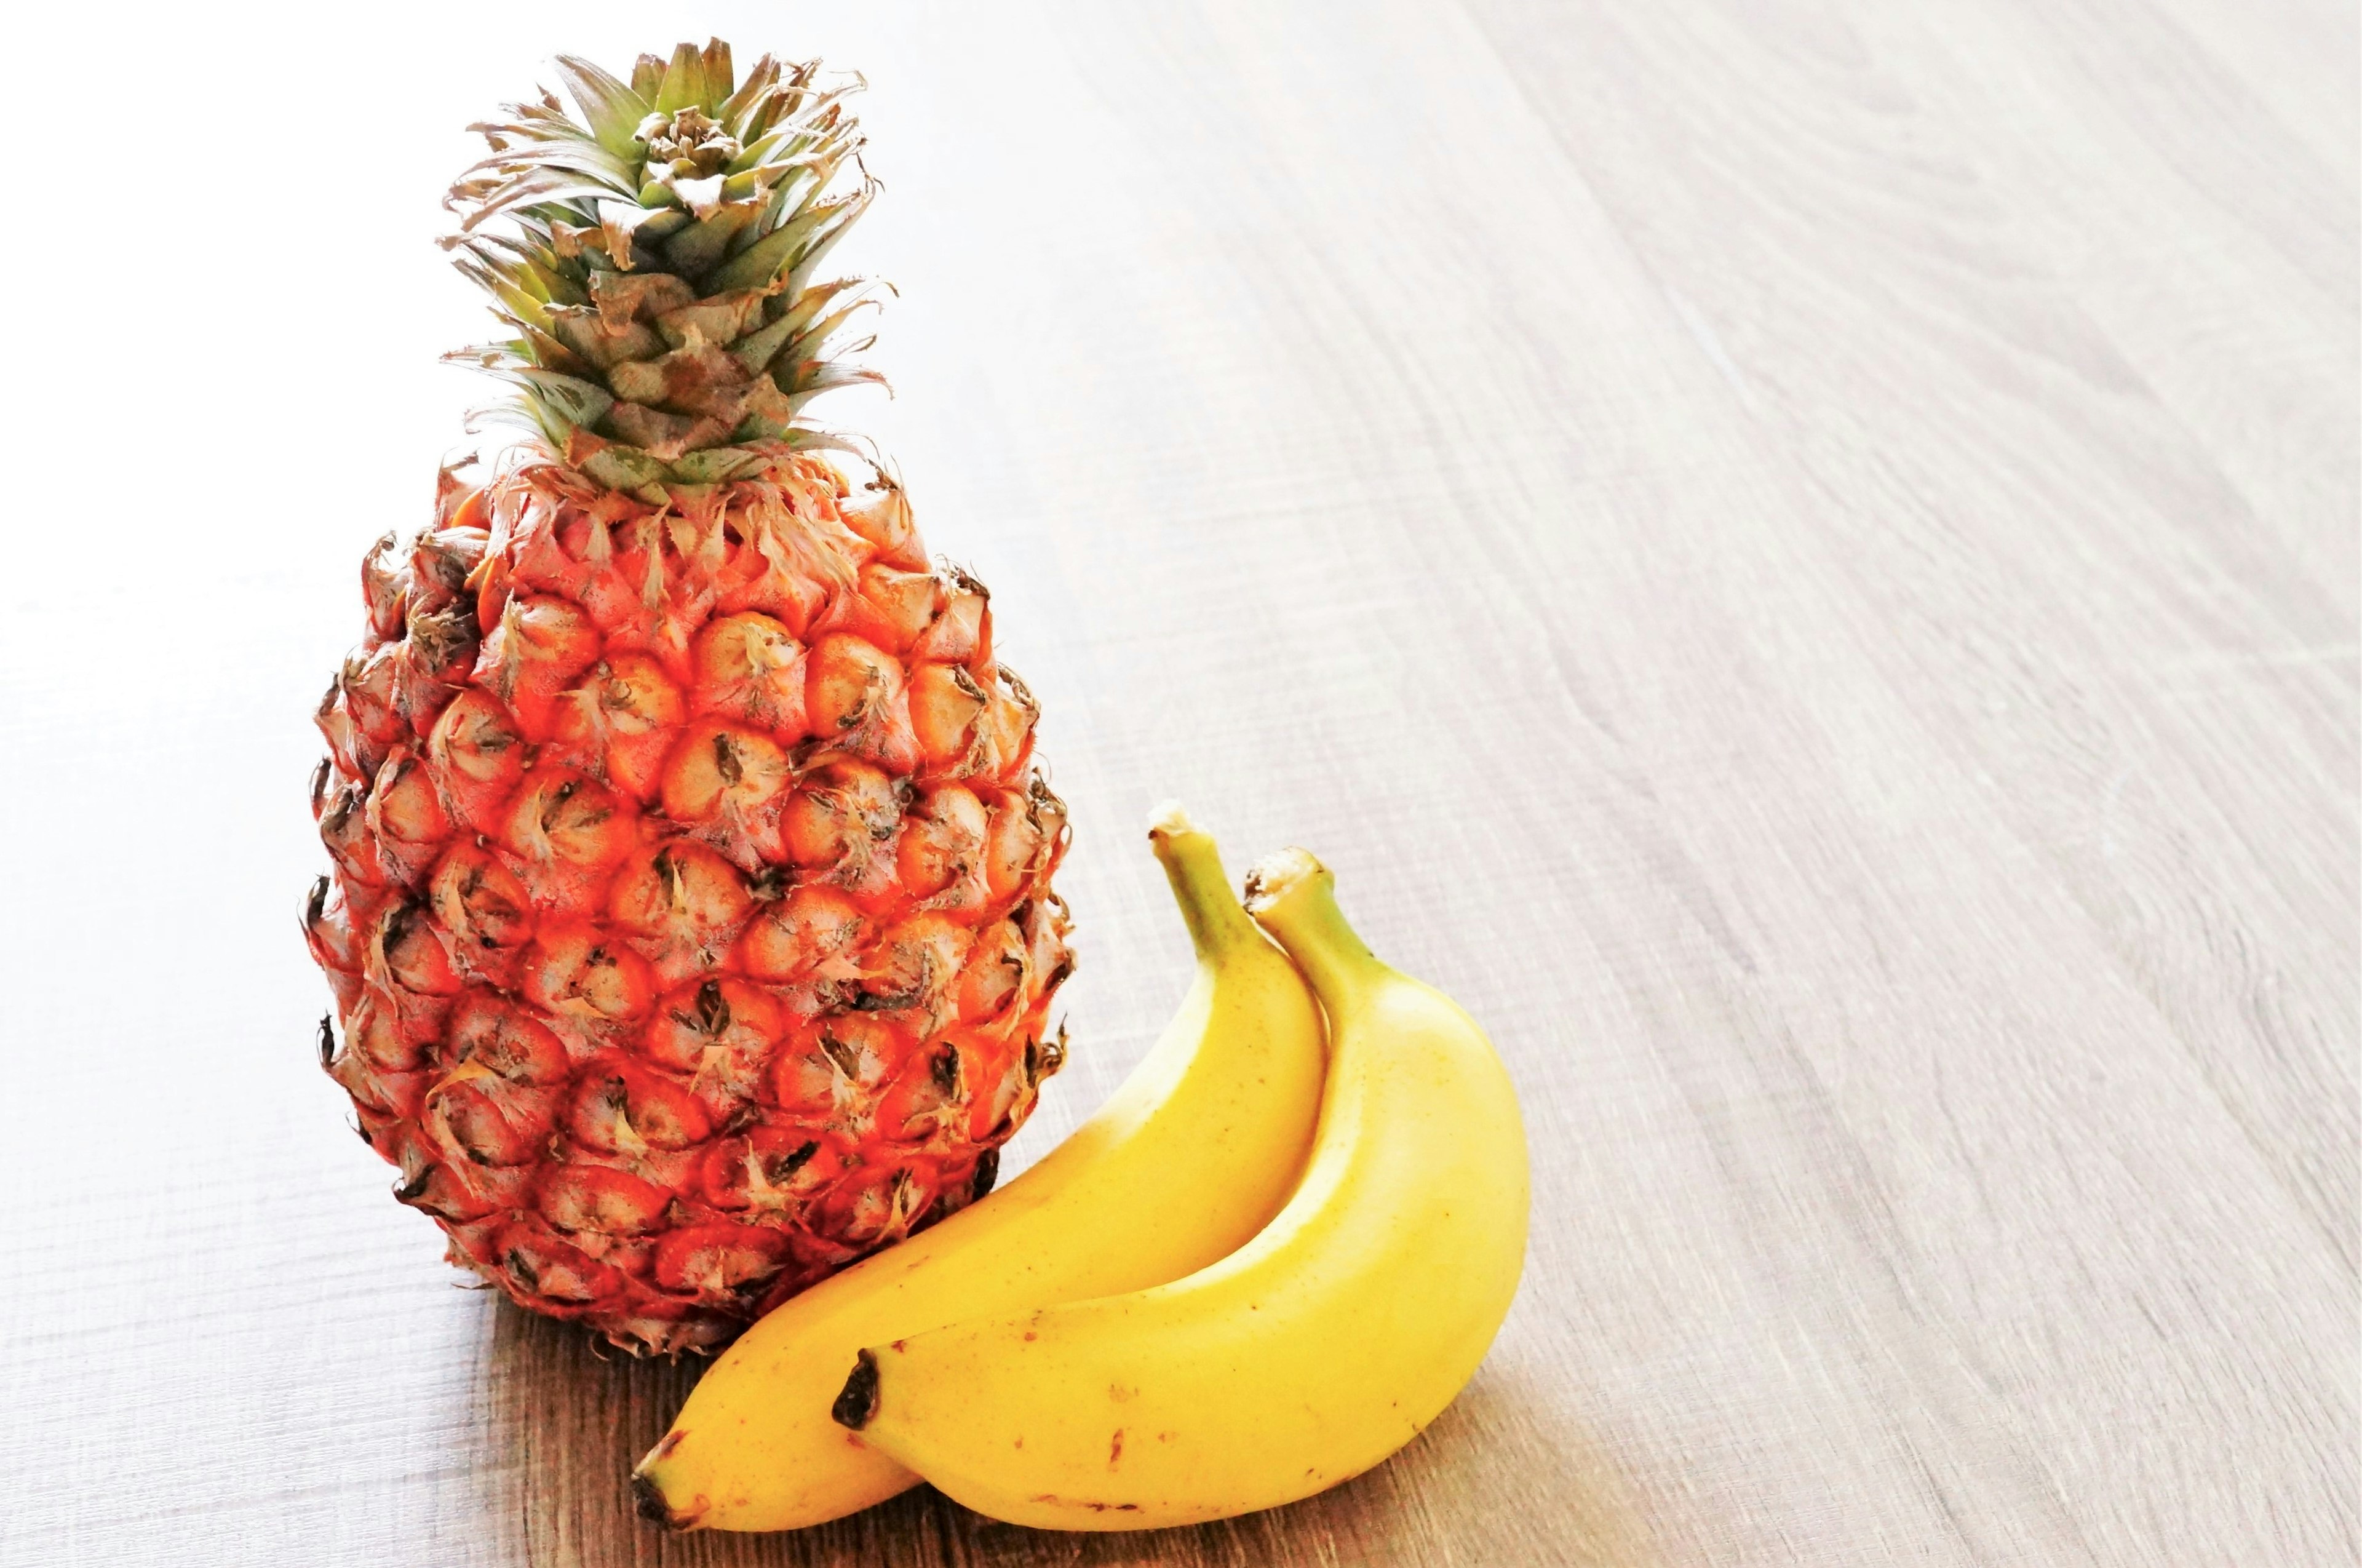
[
  {"x": 1194, "y": 865},
  {"x": 1293, "y": 896}
]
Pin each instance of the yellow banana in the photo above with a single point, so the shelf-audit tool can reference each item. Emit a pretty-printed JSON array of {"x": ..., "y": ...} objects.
[
  {"x": 1308, "y": 1356},
  {"x": 1188, "y": 1159}
]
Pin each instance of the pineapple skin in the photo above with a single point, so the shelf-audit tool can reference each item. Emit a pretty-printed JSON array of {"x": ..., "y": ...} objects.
[{"x": 690, "y": 927}]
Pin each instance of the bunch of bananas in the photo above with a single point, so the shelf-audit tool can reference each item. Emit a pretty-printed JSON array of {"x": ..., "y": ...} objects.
[{"x": 1253, "y": 1274}]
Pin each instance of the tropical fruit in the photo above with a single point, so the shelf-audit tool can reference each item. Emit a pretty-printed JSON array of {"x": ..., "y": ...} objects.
[
  {"x": 690, "y": 927},
  {"x": 1311, "y": 1353},
  {"x": 1185, "y": 1162}
]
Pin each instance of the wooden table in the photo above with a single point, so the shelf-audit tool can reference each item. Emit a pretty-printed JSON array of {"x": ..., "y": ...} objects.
[{"x": 1802, "y": 559}]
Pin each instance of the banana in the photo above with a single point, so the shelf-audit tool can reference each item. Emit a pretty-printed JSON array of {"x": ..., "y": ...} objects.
[
  {"x": 1188, "y": 1160},
  {"x": 1310, "y": 1355}
]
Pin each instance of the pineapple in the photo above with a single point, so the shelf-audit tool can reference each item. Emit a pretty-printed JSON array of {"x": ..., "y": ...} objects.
[{"x": 690, "y": 929}]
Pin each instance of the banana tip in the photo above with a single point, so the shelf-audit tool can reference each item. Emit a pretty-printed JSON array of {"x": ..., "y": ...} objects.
[
  {"x": 1275, "y": 876},
  {"x": 1169, "y": 820},
  {"x": 857, "y": 1402},
  {"x": 649, "y": 1499}
]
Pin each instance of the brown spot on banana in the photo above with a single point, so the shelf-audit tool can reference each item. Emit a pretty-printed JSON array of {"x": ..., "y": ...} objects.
[{"x": 857, "y": 1403}]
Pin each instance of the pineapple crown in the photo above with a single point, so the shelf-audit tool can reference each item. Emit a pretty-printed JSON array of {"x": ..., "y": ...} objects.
[{"x": 655, "y": 259}]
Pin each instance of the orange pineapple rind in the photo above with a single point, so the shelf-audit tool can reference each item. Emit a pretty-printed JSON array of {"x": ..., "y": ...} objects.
[{"x": 690, "y": 924}]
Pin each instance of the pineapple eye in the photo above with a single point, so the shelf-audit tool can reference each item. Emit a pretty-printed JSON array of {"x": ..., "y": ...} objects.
[
  {"x": 712, "y": 1009},
  {"x": 683, "y": 893}
]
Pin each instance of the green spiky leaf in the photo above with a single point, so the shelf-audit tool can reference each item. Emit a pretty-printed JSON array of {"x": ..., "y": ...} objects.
[
  {"x": 684, "y": 81},
  {"x": 713, "y": 200},
  {"x": 613, "y": 110}
]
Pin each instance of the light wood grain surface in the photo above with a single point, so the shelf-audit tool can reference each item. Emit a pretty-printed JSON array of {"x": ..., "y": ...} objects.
[{"x": 1799, "y": 557}]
